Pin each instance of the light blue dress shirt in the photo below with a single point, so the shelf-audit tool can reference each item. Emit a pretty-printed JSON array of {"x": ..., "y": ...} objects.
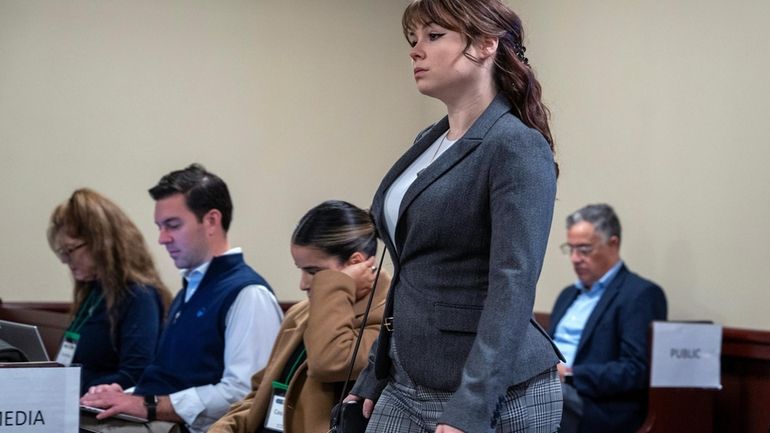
[
  {"x": 194, "y": 278},
  {"x": 570, "y": 327}
]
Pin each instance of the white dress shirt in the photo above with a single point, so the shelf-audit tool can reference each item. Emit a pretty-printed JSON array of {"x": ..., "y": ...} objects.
[{"x": 395, "y": 194}]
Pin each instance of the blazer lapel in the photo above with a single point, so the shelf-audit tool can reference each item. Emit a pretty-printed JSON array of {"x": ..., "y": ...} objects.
[
  {"x": 293, "y": 334},
  {"x": 467, "y": 143},
  {"x": 435, "y": 170},
  {"x": 378, "y": 215},
  {"x": 560, "y": 308},
  {"x": 423, "y": 142},
  {"x": 609, "y": 295},
  {"x": 472, "y": 138}
]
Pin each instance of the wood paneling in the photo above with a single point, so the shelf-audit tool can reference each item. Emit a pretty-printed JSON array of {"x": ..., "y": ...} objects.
[
  {"x": 741, "y": 406},
  {"x": 50, "y": 323}
]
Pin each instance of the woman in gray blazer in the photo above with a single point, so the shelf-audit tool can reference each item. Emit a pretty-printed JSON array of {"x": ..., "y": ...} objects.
[{"x": 466, "y": 214}]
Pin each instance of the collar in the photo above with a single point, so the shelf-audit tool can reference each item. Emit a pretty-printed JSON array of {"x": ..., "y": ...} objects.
[
  {"x": 200, "y": 271},
  {"x": 603, "y": 282}
]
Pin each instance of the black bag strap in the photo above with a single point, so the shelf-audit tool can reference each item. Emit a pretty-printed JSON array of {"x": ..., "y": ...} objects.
[{"x": 361, "y": 330}]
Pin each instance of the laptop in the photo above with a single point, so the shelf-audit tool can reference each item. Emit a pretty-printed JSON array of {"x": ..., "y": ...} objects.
[
  {"x": 123, "y": 416},
  {"x": 25, "y": 338}
]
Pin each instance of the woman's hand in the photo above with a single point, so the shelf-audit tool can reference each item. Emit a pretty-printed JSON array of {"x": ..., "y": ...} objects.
[
  {"x": 368, "y": 405},
  {"x": 563, "y": 370},
  {"x": 363, "y": 274},
  {"x": 443, "y": 428}
]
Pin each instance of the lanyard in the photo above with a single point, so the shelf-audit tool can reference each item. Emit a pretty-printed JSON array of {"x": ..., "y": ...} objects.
[
  {"x": 275, "y": 412},
  {"x": 84, "y": 313},
  {"x": 285, "y": 384}
]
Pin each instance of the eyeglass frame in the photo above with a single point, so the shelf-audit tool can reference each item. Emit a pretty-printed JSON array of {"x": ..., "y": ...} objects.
[
  {"x": 65, "y": 253},
  {"x": 581, "y": 250}
]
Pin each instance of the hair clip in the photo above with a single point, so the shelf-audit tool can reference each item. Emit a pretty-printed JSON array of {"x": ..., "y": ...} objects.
[{"x": 520, "y": 49}]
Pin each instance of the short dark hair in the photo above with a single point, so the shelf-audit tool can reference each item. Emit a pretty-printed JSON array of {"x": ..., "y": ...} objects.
[
  {"x": 337, "y": 228},
  {"x": 601, "y": 216},
  {"x": 202, "y": 190}
]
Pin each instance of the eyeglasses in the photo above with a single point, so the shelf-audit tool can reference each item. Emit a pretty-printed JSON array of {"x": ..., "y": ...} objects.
[
  {"x": 64, "y": 253},
  {"x": 580, "y": 250}
]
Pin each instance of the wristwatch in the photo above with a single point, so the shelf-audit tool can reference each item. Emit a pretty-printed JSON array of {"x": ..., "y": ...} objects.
[{"x": 151, "y": 403}]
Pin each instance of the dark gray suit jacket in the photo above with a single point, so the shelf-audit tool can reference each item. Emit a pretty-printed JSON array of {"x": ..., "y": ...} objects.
[{"x": 470, "y": 240}]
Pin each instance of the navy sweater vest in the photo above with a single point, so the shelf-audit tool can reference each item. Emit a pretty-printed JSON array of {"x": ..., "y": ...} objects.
[{"x": 191, "y": 349}]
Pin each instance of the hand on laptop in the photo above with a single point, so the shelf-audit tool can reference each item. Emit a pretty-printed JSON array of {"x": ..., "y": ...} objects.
[
  {"x": 114, "y": 387},
  {"x": 113, "y": 400}
]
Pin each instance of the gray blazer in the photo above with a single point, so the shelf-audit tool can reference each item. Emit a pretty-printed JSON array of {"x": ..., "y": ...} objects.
[{"x": 471, "y": 235}]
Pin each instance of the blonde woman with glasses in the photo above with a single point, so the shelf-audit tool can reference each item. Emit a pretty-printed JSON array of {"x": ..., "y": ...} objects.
[{"x": 118, "y": 297}]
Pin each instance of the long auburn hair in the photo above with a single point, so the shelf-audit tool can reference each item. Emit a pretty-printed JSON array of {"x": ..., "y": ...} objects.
[
  {"x": 477, "y": 19},
  {"x": 116, "y": 245}
]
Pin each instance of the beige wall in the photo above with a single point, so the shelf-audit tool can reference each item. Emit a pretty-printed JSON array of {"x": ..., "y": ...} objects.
[
  {"x": 661, "y": 109},
  {"x": 658, "y": 108},
  {"x": 291, "y": 102}
]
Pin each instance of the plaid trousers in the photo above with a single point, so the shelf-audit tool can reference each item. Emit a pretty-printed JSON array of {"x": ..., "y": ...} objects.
[{"x": 534, "y": 406}]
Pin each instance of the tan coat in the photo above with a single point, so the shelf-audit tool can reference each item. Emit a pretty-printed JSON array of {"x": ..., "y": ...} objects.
[{"x": 328, "y": 324}]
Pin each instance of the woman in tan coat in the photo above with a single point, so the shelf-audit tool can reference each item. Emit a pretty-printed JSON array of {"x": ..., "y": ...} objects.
[{"x": 334, "y": 246}]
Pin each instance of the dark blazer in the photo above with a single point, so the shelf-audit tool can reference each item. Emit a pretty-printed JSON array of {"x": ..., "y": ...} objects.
[
  {"x": 470, "y": 240},
  {"x": 611, "y": 367}
]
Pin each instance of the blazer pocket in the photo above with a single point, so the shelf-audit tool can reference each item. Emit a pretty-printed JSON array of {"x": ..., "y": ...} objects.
[{"x": 456, "y": 317}]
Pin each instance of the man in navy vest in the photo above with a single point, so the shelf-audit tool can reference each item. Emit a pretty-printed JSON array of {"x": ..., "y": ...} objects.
[
  {"x": 600, "y": 325},
  {"x": 221, "y": 326}
]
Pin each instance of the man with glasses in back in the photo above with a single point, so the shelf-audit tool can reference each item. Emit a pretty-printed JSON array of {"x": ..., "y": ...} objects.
[{"x": 601, "y": 324}]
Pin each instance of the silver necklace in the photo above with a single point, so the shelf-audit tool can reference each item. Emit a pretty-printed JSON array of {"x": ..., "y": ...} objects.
[{"x": 443, "y": 139}]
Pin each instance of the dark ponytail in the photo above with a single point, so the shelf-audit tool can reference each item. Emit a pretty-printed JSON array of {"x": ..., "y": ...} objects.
[{"x": 337, "y": 228}]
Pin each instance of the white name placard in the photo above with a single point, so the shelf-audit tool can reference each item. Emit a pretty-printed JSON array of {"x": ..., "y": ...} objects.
[
  {"x": 686, "y": 355},
  {"x": 39, "y": 399}
]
